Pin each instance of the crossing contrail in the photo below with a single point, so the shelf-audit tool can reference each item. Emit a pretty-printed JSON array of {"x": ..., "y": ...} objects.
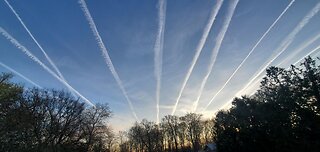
[
  {"x": 31, "y": 35},
  {"x": 217, "y": 46},
  {"x": 158, "y": 51},
  {"x": 252, "y": 50},
  {"x": 105, "y": 54},
  {"x": 21, "y": 75},
  {"x": 199, "y": 48},
  {"x": 285, "y": 43},
  {"x": 35, "y": 59}
]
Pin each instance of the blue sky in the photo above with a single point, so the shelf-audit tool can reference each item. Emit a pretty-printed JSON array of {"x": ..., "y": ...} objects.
[{"x": 129, "y": 28}]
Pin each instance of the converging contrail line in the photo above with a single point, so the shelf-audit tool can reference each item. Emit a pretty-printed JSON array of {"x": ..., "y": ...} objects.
[
  {"x": 35, "y": 59},
  {"x": 19, "y": 74},
  {"x": 252, "y": 50},
  {"x": 199, "y": 48},
  {"x": 40, "y": 47},
  {"x": 218, "y": 43},
  {"x": 158, "y": 52},
  {"x": 286, "y": 42},
  {"x": 105, "y": 54}
]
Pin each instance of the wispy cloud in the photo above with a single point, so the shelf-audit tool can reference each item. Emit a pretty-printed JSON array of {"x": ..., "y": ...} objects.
[
  {"x": 105, "y": 54},
  {"x": 34, "y": 39},
  {"x": 284, "y": 44},
  {"x": 199, "y": 48},
  {"x": 19, "y": 74},
  {"x": 158, "y": 52},
  {"x": 35, "y": 59},
  {"x": 218, "y": 42},
  {"x": 251, "y": 51}
]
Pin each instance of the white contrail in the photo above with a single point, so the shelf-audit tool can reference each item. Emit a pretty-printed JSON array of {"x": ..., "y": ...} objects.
[
  {"x": 302, "y": 47},
  {"x": 158, "y": 49},
  {"x": 252, "y": 50},
  {"x": 199, "y": 48},
  {"x": 284, "y": 45},
  {"x": 217, "y": 46},
  {"x": 31, "y": 35},
  {"x": 34, "y": 58},
  {"x": 309, "y": 53},
  {"x": 258, "y": 80},
  {"x": 314, "y": 50},
  {"x": 105, "y": 54},
  {"x": 286, "y": 42},
  {"x": 21, "y": 75}
]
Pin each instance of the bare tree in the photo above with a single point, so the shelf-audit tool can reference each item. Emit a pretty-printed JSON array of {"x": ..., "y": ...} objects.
[
  {"x": 194, "y": 129},
  {"x": 94, "y": 121},
  {"x": 171, "y": 124}
]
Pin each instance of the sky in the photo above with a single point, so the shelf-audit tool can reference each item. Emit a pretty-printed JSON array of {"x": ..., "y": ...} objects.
[{"x": 151, "y": 58}]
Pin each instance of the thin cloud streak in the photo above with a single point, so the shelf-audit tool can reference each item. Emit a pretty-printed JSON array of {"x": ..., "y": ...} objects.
[
  {"x": 311, "y": 52},
  {"x": 285, "y": 43},
  {"x": 31, "y": 35},
  {"x": 218, "y": 43},
  {"x": 298, "y": 61},
  {"x": 199, "y": 48},
  {"x": 35, "y": 59},
  {"x": 300, "y": 48},
  {"x": 21, "y": 75},
  {"x": 105, "y": 54},
  {"x": 251, "y": 51},
  {"x": 158, "y": 52},
  {"x": 304, "y": 45}
]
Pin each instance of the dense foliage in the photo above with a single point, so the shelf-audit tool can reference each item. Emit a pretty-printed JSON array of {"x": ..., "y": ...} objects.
[
  {"x": 42, "y": 120},
  {"x": 283, "y": 115}
]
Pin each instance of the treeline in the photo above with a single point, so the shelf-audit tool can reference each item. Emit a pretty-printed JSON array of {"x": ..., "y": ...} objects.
[
  {"x": 38, "y": 120},
  {"x": 172, "y": 134},
  {"x": 282, "y": 116}
]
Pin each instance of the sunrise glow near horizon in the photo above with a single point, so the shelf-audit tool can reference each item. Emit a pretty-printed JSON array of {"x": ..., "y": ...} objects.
[{"x": 152, "y": 46}]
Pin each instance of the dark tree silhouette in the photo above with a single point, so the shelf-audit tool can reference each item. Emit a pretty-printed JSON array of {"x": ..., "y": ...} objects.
[
  {"x": 49, "y": 120},
  {"x": 282, "y": 116}
]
